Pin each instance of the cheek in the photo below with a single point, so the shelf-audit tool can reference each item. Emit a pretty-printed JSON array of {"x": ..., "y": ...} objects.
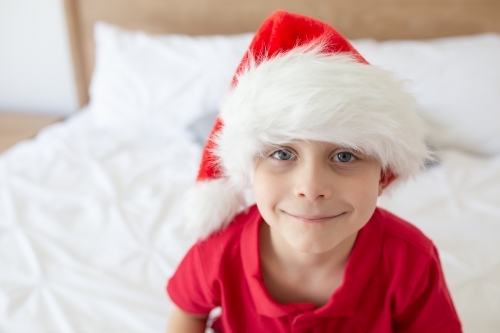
[
  {"x": 268, "y": 189},
  {"x": 265, "y": 199},
  {"x": 259, "y": 186},
  {"x": 364, "y": 192}
]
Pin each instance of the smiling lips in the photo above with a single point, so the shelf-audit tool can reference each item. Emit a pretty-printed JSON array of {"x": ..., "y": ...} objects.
[{"x": 313, "y": 218}]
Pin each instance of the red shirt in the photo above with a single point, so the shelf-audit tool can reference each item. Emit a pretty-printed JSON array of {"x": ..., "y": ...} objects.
[{"x": 393, "y": 282}]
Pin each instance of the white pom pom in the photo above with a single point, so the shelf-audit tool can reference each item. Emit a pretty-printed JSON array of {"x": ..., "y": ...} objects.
[{"x": 210, "y": 206}]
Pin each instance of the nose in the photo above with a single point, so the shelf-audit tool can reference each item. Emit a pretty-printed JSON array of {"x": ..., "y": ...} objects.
[{"x": 313, "y": 182}]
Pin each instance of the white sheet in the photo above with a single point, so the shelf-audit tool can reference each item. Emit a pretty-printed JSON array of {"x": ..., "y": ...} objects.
[{"x": 89, "y": 229}]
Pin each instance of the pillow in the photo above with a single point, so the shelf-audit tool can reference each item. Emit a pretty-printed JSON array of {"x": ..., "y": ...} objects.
[
  {"x": 456, "y": 82},
  {"x": 155, "y": 84}
]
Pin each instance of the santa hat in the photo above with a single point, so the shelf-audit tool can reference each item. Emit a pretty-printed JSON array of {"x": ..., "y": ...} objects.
[{"x": 301, "y": 80}]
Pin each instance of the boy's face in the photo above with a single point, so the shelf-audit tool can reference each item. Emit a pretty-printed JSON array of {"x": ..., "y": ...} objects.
[{"x": 315, "y": 194}]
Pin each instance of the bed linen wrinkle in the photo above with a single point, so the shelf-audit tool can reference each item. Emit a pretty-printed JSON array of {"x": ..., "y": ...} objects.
[{"x": 8, "y": 214}]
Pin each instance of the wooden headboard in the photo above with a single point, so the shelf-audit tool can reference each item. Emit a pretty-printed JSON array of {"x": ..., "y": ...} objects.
[{"x": 382, "y": 20}]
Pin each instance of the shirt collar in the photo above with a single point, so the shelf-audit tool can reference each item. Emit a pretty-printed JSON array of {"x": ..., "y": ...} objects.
[{"x": 360, "y": 267}]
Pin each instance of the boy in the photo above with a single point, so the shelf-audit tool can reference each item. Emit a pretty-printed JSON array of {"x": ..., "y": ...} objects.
[{"x": 319, "y": 134}]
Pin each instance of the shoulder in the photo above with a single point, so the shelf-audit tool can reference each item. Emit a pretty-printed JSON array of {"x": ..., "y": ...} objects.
[
  {"x": 401, "y": 234},
  {"x": 226, "y": 242},
  {"x": 202, "y": 277},
  {"x": 408, "y": 256},
  {"x": 412, "y": 271}
]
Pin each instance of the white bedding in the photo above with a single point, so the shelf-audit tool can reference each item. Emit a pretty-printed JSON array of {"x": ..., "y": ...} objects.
[{"x": 89, "y": 229}]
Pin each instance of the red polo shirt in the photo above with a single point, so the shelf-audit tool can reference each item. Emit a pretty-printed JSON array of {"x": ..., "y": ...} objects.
[{"x": 393, "y": 282}]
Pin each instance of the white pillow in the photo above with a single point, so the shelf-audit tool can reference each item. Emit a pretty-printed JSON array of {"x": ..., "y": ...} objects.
[
  {"x": 152, "y": 84},
  {"x": 456, "y": 82}
]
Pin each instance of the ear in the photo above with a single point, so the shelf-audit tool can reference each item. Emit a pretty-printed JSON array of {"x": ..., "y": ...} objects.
[{"x": 386, "y": 178}]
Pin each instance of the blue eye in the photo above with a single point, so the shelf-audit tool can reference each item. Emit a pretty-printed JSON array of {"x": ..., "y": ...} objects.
[
  {"x": 283, "y": 155},
  {"x": 344, "y": 157}
]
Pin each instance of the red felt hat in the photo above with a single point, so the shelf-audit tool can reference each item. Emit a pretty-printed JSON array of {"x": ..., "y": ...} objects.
[{"x": 300, "y": 79}]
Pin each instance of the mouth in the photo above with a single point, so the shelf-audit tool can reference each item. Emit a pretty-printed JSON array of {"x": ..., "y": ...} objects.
[{"x": 313, "y": 218}]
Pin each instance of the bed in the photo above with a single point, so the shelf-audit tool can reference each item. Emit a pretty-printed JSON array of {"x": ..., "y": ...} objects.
[{"x": 90, "y": 216}]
